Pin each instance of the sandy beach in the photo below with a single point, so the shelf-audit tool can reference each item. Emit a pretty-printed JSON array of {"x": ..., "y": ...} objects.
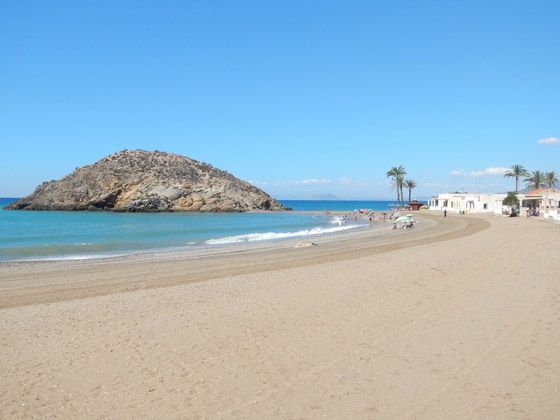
[{"x": 457, "y": 318}]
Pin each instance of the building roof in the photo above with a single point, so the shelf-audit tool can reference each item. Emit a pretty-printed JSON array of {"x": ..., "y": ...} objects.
[{"x": 539, "y": 192}]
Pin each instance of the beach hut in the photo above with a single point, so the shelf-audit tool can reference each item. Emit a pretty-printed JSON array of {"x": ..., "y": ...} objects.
[{"x": 415, "y": 205}]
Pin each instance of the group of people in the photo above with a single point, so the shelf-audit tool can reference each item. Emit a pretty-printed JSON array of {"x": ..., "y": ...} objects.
[
  {"x": 532, "y": 211},
  {"x": 408, "y": 225},
  {"x": 369, "y": 215},
  {"x": 355, "y": 215}
]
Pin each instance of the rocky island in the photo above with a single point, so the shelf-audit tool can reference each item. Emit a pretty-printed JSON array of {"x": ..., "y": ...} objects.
[{"x": 142, "y": 181}]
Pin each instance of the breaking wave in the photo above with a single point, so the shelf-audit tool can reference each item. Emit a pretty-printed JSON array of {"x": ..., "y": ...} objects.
[{"x": 267, "y": 236}]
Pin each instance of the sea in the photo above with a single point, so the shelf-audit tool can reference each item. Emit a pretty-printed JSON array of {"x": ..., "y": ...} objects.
[{"x": 60, "y": 235}]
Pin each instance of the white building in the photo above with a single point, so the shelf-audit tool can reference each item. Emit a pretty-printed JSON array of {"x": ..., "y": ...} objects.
[
  {"x": 468, "y": 203},
  {"x": 542, "y": 202}
]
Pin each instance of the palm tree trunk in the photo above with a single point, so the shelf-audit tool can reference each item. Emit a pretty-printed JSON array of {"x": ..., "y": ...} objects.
[
  {"x": 409, "y": 194},
  {"x": 516, "y": 184}
]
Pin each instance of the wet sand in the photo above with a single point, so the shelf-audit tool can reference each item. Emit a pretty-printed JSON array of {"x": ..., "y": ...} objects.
[{"x": 459, "y": 318}]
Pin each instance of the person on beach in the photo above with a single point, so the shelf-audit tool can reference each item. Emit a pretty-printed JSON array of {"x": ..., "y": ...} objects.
[{"x": 445, "y": 213}]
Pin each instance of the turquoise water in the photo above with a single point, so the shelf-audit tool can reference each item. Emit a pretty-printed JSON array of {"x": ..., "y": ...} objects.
[
  {"x": 338, "y": 205},
  {"x": 27, "y": 235}
]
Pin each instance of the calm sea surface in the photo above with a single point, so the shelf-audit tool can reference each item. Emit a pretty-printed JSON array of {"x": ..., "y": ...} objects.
[{"x": 30, "y": 235}]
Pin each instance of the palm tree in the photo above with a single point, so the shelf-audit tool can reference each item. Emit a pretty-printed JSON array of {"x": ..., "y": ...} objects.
[
  {"x": 516, "y": 171},
  {"x": 551, "y": 179},
  {"x": 410, "y": 184},
  {"x": 392, "y": 173},
  {"x": 397, "y": 173},
  {"x": 535, "y": 179},
  {"x": 400, "y": 181}
]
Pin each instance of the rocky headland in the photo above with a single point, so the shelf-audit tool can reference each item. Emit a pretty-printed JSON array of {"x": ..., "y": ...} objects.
[{"x": 142, "y": 181}]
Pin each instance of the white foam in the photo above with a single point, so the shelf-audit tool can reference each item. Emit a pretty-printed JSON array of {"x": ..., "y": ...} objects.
[
  {"x": 68, "y": 257},
  {"x": 267, "y": 236}
]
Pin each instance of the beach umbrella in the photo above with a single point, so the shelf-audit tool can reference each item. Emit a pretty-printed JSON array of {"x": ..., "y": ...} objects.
[{"x": 403, "y": 219}]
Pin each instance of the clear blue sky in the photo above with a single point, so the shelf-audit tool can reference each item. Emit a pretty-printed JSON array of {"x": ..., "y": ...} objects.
[{"x": 300, "y": 97}]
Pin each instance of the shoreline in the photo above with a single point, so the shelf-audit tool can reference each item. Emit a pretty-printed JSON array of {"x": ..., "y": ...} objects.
[
  {"x": 30, "y": 282},
  {"x": 197, "y": 246},
  {"x": 312, "y": 230}
]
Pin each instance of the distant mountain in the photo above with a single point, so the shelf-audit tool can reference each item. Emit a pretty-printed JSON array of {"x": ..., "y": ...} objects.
[
  {"x": 141, "y": 181},
  {"x": 325, "y": 197}
]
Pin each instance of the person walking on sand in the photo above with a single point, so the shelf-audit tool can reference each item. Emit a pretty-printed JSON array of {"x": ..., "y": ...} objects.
[{"x": 445, "y": 213}]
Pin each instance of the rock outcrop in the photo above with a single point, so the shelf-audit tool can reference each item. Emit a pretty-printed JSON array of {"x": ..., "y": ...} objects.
[{"x": 141, "y": 181}]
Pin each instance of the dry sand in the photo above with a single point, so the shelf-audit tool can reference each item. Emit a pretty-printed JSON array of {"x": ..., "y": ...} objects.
[{"x": 457, "y": 319}]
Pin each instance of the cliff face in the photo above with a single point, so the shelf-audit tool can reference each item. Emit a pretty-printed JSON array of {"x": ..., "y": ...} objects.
[{"x": 141, "y": 181}]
